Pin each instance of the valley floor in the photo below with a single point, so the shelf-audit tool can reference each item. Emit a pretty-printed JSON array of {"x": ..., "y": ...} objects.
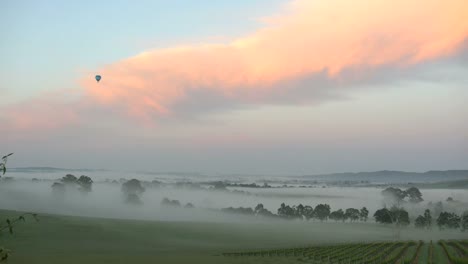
[{"x": 68, "y": 239}]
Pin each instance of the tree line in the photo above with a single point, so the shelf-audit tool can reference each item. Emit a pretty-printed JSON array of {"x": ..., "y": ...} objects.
[{"x": 321, "y": 212}]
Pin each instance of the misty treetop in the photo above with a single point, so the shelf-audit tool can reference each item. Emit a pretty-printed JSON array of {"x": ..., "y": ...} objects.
[
  {"x": 398, "y": 195},
  {"x": 132, "y": 190},
  {"x": 83, "y": 184}
]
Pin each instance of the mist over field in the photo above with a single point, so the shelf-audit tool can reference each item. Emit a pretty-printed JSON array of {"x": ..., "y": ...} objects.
[
  {"x": 246, "y": 131},
  {"x": 107, "y": 199}
]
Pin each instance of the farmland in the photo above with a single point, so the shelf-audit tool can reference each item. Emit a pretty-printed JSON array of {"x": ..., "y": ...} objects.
[
  {"x": 55, "y": 239},
  {"x": 407, "y": 252}
]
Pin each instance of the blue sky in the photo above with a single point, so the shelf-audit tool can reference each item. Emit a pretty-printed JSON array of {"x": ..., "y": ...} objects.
[
  {"x": 264, "y": 86},
  {"x": 50, "y": 44}
]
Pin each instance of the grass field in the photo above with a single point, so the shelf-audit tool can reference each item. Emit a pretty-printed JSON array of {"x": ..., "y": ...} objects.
[{"x": 67, "y": 239}]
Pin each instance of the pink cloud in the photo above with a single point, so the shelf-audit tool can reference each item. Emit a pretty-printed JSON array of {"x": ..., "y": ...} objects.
[
  {"x": 309, "y": 38},
  {"x": 48, "y": 111}
]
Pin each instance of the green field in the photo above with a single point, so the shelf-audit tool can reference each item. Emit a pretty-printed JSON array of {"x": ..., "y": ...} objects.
[{"x": 66, "y": 239}]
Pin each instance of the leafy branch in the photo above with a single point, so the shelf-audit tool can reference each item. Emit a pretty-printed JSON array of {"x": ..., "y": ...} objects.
[
  {"x": 10, "y": 223},
  {"x": 3, "y": 163}
]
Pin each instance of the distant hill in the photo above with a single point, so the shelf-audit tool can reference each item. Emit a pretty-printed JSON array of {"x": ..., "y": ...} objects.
[
  {"x": 46, "y": 170},
  {"x": 387, "y": 176}
]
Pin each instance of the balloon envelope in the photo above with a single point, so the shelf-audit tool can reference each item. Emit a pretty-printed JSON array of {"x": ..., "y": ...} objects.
[{"x": 98, "y": 78}]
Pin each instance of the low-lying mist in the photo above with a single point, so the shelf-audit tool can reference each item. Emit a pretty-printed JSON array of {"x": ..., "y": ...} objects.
[{"x": 107, "y": 200}]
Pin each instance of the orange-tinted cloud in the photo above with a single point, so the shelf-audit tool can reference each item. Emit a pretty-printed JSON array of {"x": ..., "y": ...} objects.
[
  {"x": 48, "y": 111},
  {"x": 310, "y": 37}
]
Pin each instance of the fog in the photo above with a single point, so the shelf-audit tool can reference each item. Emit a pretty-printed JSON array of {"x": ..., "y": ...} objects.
[{"x": 107, "y": 200}]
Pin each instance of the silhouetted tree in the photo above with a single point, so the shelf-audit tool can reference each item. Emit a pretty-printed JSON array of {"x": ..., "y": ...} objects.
[
  {"x": 420, "y": 222},
  {"x": 133, "y": 198},
  {"x": 308, "y": 212},
  {"x": 395, "y": 215},
  {"x": 189, "y": 205},
  {"x": 260, "y": 210},
  {"x": 240, "y": 210},
  {"x": 383, "y": 216},
  {"x": 286, "y": 211},
  {"x": 400, "y": 216},
  {"x": 464, "y": 221},
  {"x": 352, "y": 214},
  {"x": 69, "y": 179},
  {"x": 170, "y": 203},
  {"x": 424, "y": 221},
  {"x": 428, "y": 218},
  {"x": 448, "y": 220},
  {"x": 337, "y": 215},
  {"x": 258, "y": 207},
  {"x": 132, "y": 189},
  {"x": 415, "y": 196},
  {"x": 299, "y": 211},
  {"x": 132, "y": 186},
  {"x": 363, "y": 214},
  {"x": 322, "y": 211},
  {"x": 395, "y": 194},
  {"x": 85, "y": 184}
]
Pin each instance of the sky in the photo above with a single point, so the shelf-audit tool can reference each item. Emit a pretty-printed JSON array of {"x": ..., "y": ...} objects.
[{"x": 252, "y": 87}]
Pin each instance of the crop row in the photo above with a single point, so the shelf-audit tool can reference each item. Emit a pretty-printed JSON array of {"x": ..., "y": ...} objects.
[
  {"x": 366, "y": 253},
  {"x": 453, "y": 257}
]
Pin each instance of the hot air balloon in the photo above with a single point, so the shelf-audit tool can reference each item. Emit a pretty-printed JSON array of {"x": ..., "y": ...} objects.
[{"x": 98, "y": 78}]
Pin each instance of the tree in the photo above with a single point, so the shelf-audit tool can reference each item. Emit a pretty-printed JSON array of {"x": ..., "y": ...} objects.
[
  {"x": 286, "y": 211},
  {"x": 132, "y": 189},
  {"x": 396, "y": 216},
  {"x": 395, "y": 194},
  {"x": 424, "y": 221},
  {"x": 364, "y": 214},
  {"x": 170, "y": 203},
  {"x": 85, "y": 184},
  {"x": 420, "y": 222},
  {"x": 308, "y": 212},
  {"x": 383, "y": 216},
  {"x": 69, "y": 179},
  {"x": 322, "y": 211},
  {"x": 448, "y": 220},
  {"x": 464, "y": 221},
  {"x": 240, "y": 210},
  {"x": 352, "y": 214},
  {"x": 428, "y": 218},
  {"x": 189, "y": 205},
  {"x": 299, "y": 211},
  {"x": 258, "y": 207},
  {"x": 337, "y": 215},
  {"x": 414, "y": 195},
  {"x": 133, "y": 186},
  {"x": 260, "y": 210},
  {"x": 400, "y": 216},
  {"x": 133, "y": 198}
]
